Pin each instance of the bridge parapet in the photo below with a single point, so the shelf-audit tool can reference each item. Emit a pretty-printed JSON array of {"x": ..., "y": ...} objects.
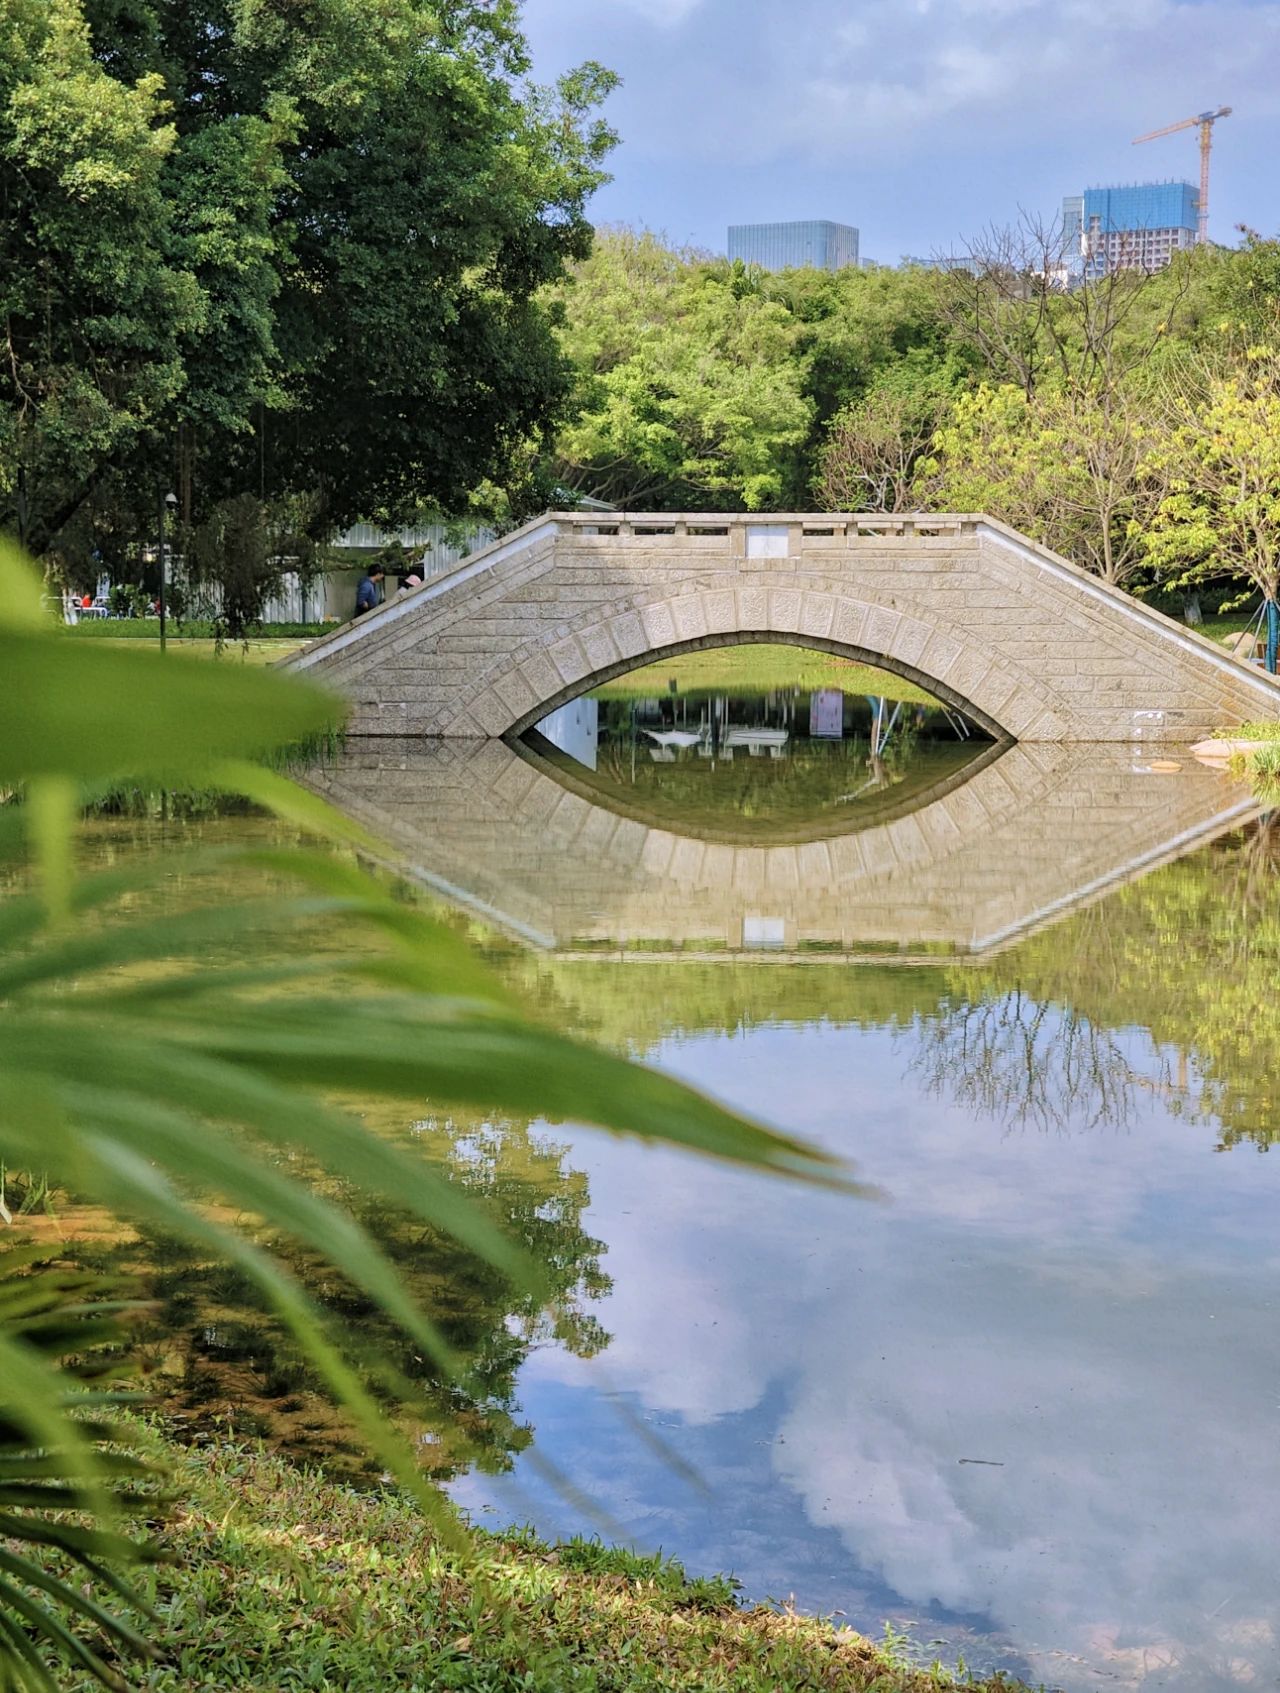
[{"x": 1020, "y": 639}]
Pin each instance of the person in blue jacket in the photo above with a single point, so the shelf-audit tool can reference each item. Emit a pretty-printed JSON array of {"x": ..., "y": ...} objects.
[{"x": 368, "y": 593}]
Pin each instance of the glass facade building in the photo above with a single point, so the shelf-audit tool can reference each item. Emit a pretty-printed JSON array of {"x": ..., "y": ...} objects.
[
  {"x": 1073, "y": 230},
  {"x": 794, "y": 246},
  {"x": 1139, "y": 226}
]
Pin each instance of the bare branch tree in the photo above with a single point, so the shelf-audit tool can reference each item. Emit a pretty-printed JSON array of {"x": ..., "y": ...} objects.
[
  {"x": 1032, "y": 308},
  {"x": 869, "y": 460},
  {"x": 1028, "y": 1064}
]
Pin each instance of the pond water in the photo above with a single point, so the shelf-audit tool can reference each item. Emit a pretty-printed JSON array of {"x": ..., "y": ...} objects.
[{"x": 1025, "y": 1405}]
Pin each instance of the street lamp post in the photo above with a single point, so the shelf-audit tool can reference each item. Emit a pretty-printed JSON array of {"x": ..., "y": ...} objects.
[{"x": 168, "y": 502}]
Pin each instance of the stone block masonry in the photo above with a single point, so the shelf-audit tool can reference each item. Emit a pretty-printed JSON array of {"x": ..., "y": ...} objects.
[{"x": 1026, "y": 644}]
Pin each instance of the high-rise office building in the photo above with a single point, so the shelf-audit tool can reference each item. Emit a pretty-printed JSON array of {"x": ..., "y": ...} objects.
[
  {"x": 794, "y": 246},
  {"x": 1139, "y": 226}
]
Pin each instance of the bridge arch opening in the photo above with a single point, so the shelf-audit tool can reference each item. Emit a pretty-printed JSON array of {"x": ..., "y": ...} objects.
[{"x": 889, "y": 663}]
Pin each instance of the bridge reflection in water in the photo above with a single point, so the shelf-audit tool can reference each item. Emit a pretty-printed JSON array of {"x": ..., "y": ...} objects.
[{"x": 1001, "y": 839}]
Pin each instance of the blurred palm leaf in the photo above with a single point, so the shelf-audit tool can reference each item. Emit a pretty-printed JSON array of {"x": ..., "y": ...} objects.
[
  {"x": 57, "y": 1544},
  {"x": 174, "y": 1093}
]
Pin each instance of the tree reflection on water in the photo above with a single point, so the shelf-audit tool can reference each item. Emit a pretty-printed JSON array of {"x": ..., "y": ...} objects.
[
  {"x": 213, "y": 1355},
  {"x": 1027, "y": 1064},
  {"x": 1044, "y": 1035}
]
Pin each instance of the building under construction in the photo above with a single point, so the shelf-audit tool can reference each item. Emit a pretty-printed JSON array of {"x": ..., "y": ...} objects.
[{"x": 1136, "y": 226}]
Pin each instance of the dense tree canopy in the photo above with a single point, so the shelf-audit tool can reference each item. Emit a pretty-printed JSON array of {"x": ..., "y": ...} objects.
[
  {"x": 96, "y": 303},
  {"x": 1083, "y": 415},
  {"x": 705, "y": 383},
  {"x": 275, "y": 248},
  {"x": 690, "y": 383}
]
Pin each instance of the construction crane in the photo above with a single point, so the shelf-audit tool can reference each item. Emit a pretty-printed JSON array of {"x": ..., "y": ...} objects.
[{"x": 1206, "y": 121}]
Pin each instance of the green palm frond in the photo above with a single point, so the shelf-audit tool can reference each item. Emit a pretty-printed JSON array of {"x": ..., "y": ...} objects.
[{"x": 65, "y": 1483}]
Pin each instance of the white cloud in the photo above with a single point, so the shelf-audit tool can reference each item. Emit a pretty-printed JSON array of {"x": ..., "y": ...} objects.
[
  {"x": 921, "y": 121},
  {"x": 815, "y": 81},
  {"x": 665, "y": 13}
]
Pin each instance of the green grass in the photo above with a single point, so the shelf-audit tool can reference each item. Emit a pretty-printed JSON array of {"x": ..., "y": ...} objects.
[
  {"x": 283, "y": 1579},
  {"x": 759, "y": 667},
  {"x": 1222, "y": 626},
  {"x": 1261, "y": 767},
  {"x": 1258, "y": 764},
  {"x": 197, "y": 637},
  {"x": 148, "y": 629},
  {"x": 233, "y": 652}
]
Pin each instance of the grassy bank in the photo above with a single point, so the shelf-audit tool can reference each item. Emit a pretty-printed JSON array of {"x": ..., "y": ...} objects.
[
  {"x": 117, "y": 629},
  {"x": 196, "y": 638},
  {"x": 1262, "y": 731},
  {"x": 1258, "y": 763},
  {"x": 230, "y": 652},
  {"x": 283, "y": 1579},
  {"x": 759, "y": 668},
  {"x": 1224, "y": 626}
]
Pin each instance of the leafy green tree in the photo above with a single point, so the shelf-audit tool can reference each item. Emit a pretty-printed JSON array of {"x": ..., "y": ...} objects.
[
  {"x": 1221, "y": 465},
  {"x": 94, "y": 302},
  {"x": 235, "y": 561},
  {"x": 874, "y": 448},
  {"x": 1247, "y": 288},
  {"x": 689, "y": 389},
  {"x": 250, "y": 250},
  {"x": 875, "y": 347},
  {"x": 701, "y": 382},
  {"x": 415, "y": 332}
]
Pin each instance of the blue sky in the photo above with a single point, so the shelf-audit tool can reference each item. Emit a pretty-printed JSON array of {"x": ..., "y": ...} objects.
[{"x": 918, "y": 121}]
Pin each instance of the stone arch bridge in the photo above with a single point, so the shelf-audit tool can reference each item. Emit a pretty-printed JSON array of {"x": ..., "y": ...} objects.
[{"x": 1026, "y": 644}]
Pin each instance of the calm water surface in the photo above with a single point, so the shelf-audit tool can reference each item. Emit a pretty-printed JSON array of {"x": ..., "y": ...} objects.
[{"x": 1028, "y": 1405}]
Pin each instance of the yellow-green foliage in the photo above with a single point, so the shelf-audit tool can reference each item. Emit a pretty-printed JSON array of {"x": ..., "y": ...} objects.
[
  {"x": 1251, "y": 732},
  {"x": 1221, "y": 463},
  {"x": 1060, "y": 464}
]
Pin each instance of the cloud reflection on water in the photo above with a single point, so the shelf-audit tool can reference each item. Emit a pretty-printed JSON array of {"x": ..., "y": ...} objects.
[{"x": 1094, "y": 1312}]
